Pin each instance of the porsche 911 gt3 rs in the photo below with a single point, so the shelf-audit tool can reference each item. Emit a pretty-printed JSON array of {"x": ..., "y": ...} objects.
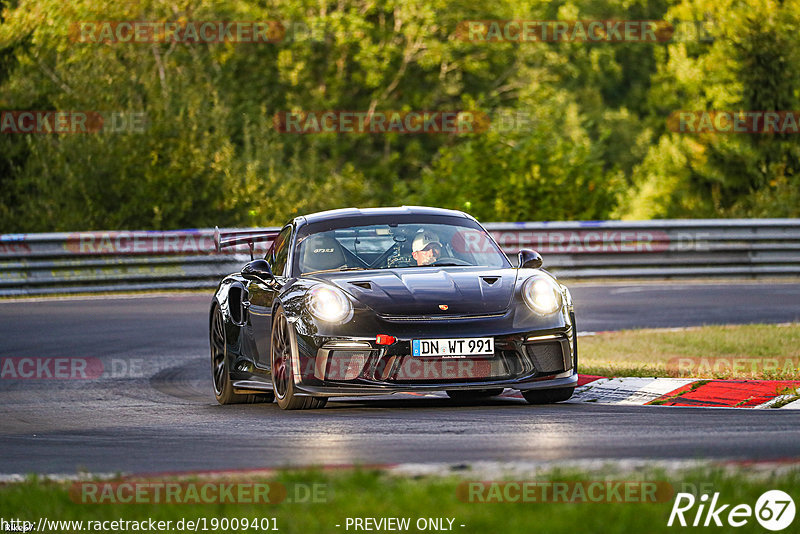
[{"x": 377, "y": 301}]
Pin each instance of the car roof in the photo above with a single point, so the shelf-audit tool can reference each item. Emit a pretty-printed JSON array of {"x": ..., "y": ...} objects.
[{"x": 347, "y": 213}]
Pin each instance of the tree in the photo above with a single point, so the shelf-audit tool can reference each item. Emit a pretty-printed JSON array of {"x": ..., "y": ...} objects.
[{"x": 752, "y": 65}]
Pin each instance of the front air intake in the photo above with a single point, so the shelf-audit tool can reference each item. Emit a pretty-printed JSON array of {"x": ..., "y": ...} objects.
[
  {"x": 346, "y": 364},
  {"x": 550, "y": 357}
]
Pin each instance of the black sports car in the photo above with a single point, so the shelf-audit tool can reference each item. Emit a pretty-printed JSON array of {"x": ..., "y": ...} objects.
[{"x": 378, "y": 301}]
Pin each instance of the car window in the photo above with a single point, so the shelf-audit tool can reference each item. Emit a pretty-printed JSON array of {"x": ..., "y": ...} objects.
[
  {"x": 280, "y": 252},
  {"x": 397, "y": 245}
]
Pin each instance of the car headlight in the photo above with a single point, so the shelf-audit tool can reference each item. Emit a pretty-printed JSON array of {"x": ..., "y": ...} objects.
[
  {"x": 541, "y": 295},
  {"x": 329, "y": 304}
]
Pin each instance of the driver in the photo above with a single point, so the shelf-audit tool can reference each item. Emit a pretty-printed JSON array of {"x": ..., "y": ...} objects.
[{"x": 426, "y": 248}]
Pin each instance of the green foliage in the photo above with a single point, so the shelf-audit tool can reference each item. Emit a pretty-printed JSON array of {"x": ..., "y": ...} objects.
[
  {"x": 550, "y": 171},
  {"x": 364, "y": 493},
  {"x": 594, "y": 143},
  {"x": 753, "y": 64}
]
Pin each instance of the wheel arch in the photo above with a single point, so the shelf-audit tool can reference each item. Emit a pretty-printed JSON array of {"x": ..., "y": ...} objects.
[
  {"x": 230, "y": 294},
  {"x": 222, "y": 301}
]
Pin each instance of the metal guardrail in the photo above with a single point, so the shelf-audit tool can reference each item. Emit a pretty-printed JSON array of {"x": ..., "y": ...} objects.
[
  {"x": 691, "y": 248},
  {"x": 33, "y": 264}
]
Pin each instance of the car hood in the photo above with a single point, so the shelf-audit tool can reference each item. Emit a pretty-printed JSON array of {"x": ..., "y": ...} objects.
[{"x": 426, "y": 290}]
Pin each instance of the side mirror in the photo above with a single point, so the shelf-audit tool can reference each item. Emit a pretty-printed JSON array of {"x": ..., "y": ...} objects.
[
  {"x": 259, "y": 271},
  {"x": 529, "y": 259}
]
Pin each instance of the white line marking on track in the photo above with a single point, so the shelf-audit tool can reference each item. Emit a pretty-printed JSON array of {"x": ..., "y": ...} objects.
[
  {"x": 632, "y": 390},
  {"x": 792, "y": 406}
]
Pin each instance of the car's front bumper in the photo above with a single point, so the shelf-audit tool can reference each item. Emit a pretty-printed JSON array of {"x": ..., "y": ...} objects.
[
  {"x": 568, "y": 379},
  {"x": 523, "y": 360}
]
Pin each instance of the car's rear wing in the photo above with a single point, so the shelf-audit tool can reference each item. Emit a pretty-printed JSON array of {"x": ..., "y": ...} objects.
[{"x": 231, "y": 238}]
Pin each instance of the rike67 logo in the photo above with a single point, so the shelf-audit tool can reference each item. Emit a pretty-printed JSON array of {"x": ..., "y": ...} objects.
[{"x": 774, "y": 510}]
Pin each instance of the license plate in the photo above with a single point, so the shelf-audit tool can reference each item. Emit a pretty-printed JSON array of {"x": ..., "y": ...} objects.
[{"x": 473, "y": 346}]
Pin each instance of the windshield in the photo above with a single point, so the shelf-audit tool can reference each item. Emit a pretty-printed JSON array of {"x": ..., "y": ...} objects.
[{"x": 396, "y": 246}]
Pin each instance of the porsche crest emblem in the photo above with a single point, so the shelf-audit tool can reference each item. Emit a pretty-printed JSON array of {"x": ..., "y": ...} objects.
[{"x": 443, "y": 307}]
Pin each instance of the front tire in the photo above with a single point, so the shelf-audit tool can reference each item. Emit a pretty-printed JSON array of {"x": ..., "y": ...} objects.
[
  {"x": 282, "y": 348},
  {"x": 547, "y": 396}
]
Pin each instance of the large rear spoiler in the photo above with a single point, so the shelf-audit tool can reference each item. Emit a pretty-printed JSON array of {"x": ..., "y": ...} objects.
[{"x": 231, "y": 238}]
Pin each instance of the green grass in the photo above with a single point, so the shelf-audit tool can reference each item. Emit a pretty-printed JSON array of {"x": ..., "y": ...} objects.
[
  {"x": 766, "y": 352},
  {"x": 365, "y": 493}
]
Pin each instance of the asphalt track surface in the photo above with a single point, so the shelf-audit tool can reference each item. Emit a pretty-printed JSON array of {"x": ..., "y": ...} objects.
[{"x": 157, "y": 413}]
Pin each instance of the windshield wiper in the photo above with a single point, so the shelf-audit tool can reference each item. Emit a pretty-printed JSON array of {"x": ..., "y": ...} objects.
[{"x": 338, "y": 269}]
